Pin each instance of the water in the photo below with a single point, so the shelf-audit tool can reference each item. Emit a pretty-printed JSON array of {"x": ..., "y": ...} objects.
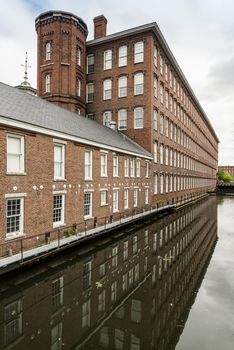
[{"x": 162, "y": 285}]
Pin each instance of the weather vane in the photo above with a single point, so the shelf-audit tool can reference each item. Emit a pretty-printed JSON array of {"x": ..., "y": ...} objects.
[{"x": 26, "y": 66}]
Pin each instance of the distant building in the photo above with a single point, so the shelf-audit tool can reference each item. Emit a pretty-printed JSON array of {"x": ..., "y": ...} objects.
[{"x": 227, "y": 169}]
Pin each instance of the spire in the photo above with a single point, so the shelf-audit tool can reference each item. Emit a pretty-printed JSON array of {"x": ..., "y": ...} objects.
[{"x": 26, "y": 66}]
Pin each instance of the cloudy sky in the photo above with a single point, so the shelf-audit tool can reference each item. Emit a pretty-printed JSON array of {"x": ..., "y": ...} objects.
[{"x": 199, "y": 32}]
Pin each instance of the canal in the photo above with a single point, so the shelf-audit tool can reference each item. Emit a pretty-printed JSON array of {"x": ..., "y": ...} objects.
[{"x": 162, "y": 285}]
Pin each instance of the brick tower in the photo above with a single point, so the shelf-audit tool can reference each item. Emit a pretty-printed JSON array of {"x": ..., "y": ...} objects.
[{"x": 61, "y": 63}]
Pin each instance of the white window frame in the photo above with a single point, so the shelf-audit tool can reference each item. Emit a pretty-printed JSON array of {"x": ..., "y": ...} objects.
[
  {"x": 139, "y": 83},
  {"x": 48, "y": 51},
  {"x": 132, "y": 167},
  {"x": 139, "y": 52},
  {"x": 155, "y": 151},
  {"x": 122, "y": 86},
  {"x": 107, "y": 89},
  {"x": 20, "y": 169},
  {"x": 107, "y": 118},
  {"x": 138, "y": 168},
  {"x": 146, "y": 169},
  {"x": 20, "y": 197},
  {"x": 103, "y": 197},
  {"x": 135, "y": 197},
  {"x": 47, "y": 83},
  {"x": 155, "y": 119},
  {"x": 122, "y": 119},
  {"x": 61, "y": 222},
  {"x": 89, "y": 92},
  {"x": 90, "y": 204},
  {"x": 138, "y": 118},
  {"x": 126, "y": 198},
  {"x": 90, "y": 57},
  {"x": 155, "y": 183},
  {"x": 155, "y": 56},
  {"x": 107, "y": 57},
  {"x": 88, "y": 175},
  {"x": 147, "y": 195},
  {"x": 103, "y": 164},
  {"x": 78, "y": 56},
  {"x": 78, "y": 91},
  {"x": 123, "y": 56},
  {"x": 62, "y": 162},
  {"x": 155, "y": 87},
  {"x": 126, "y": 167},
  {"x": 115, "y": 196},
  {"x": 115, "y": 166}
]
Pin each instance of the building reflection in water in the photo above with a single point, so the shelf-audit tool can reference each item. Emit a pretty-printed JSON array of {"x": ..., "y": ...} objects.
[{"x": 132, "y": 291}]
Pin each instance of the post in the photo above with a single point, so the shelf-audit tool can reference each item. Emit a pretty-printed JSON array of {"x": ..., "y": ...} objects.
[
  {"x": 58, "y": 238},
  {"x": 21, "y": 248}
]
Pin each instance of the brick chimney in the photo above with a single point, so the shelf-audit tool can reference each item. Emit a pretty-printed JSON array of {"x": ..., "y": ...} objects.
[{"x": 100, "y": 23}]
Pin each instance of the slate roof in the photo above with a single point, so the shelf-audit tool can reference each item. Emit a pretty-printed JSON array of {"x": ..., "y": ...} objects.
[{"x": 32, "y": 110}]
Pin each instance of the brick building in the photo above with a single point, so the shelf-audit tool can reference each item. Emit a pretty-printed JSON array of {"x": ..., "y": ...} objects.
[
  {"x": 227, "y": 169},
  {"x": 59, "y": 168}
]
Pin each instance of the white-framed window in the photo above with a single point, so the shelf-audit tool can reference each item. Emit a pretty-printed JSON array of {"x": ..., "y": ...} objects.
[
  {"x": 155, "y": 152},
  {"x": 132, "y": 168},
  {"x": 89, "y": 92},
  {"x": 166, "y": 127},
  {"x": 14, "y": 216},
  {"x": 166, "y": 155},
  {"x": 138, "y": 168},
  {"x": 107, "y": 59},
  {"x": 115, "y": 166},
  {"x": 78, "y": 56},
  {"x": 90, "y": 63},
  {"x": 155, "y": 119},
  {"x": 166, "y": 71},
  {"x": 171, "y": 157},
  {"x": 166, "y": 183},
  {"x": 13, "y": 325},
  {"x": 126, "y": 198},
  {"x": 138, "y": 118},
  {"x": 155, "y": 183},
  {"x": 171, "y": 104},
  {"x": 57, "y": 292},
  {"x": 89, "y": 116},
  {"x": 56, "y": 336},
  {"x": 88, "y": 160},
  {"x": 107, "y": 89},
  {"x": 122, "y": 119},
  {"x": 155, "y": 55},
  {"x": 155, "y": 86},
  {"x": 113, "y": 295},
  {"x": 58, "y": 209},
  {"x": 139, "y": 52},
  {"x": 103, "y": 195},
  {"x": 48, "y": 51},
  {"x": 114, "y": 257},
  {"x": 161, "y": 153},
  {"x": 47, "y": 83},
  {"x": 161, "y": 93},
  {"x": 115, "y": 201},
  {"x": 171, "y": 183},
  {"x": 161, "y": 64},
  {"x": 161, "y": 183},
  {"x": 59, "y": 161},
  {"x": 103, "y": 163},
  {"x": 107, "y": 118},
  {"x": 166, "y": 99},
  {"x": 170, "y": 78},
  {"x": 122, "y": 86},
  {"x": 78, "y": 88},
  {"x": 102, "y": 301},
  {"x": 88, "y": 204},
  {"x": 15, "y": 153},
  {"x": 135, "y": 197},
  {"x": 123, "y": 53},
  {"x": 138, "y": 83},
  {"x": 126, "y": 167},
  {"x": 146, "y": 195},
  {"x": 134, "y": 245},
  {"x": 146, "y": 169},
  {"x": 125, "y": 250},
  {"x": 162, "y": 124}
]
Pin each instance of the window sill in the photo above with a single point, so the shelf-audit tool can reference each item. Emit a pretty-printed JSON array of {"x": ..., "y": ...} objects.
[
  {"x": 91, "y": 179},
  {"x": 18, "y": 174},
  {"x": 104, "y": 205},
  {"x": 88, "y": 217},
  {"x": 61, "y": 180},
  {"x": 11, "y": 237},
  {"x": 102, "y": 176},
  {"x": 58, "y": 224}
]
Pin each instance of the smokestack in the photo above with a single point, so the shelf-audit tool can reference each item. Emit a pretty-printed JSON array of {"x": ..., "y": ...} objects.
[{"x": 100, "y": 23}]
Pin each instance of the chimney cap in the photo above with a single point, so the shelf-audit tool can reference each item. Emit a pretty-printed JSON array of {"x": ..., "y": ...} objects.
[{"x": 100, "y": 18}]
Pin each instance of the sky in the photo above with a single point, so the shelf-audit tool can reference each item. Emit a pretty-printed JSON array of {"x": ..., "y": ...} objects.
[{"x": 200, "y": 34}]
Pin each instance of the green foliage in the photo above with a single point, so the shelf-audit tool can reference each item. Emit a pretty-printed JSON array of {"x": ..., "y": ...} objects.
[
  {"x": 69, "y": 232},
  {"x": 225, "y": 177}
]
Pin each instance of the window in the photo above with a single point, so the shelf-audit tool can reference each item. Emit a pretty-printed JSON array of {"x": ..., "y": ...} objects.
[
  {"x": 170, "y": 78},
  {"x": 126, "y": 167},
  {"x": 13, "y": 321},
  {"x": 166, "y": 98},
  {"x": 125, "y": 250},
  {"x": 155, "y": 56},
  {"x": 122, "y": 119},
  {"x": 103, "y": 161},
  {"x": 161, "y": 124},
  {"x": 135, "y": 313},
  {"x": 166, "y": 72},
  {"x": 78, "y": 54},
  {"x": 155, "y": 119},
  {"x": 57, "y": 292},
  {"x": 138, "y": 168},
  {"x": 56, "y": 337},
  {"x": 161, "y": 64},
  {"x": 14, "y": 216},
  {"x": 138, "y": 84},
  {"x": 115, "y": 200},
  {"x": 139, "y": 52},
  {"x": 126, "y": 198},
  {"x": 88, "y": 204},
  {"x": 155, "y": 86},
  {"x": 15, "y": 154},
  {"x": 155, "y": 152},
  {"x": 171, "y": 104},
  {"x": 59, "y": 161},
  {"x": 107, "y": 59},
  {"x": 135, "y": 342},
  {"x": 135, "y": 197},
  {"x": 166, "y": 155},
  {"x": 86, "y": 314},
  {"x": 161, "y": 153},
  {"x": 58, "y": 210},
  {"x": 90, "y": 116},
  {"x": 87, "y": 274},
  {"x": 134, "y": 245},
  {"x": 146, "y": 196},
  {"x": 114, "y": 292},
  {"x": 166, "y": 127},
  {"x": 123, "y": 51},
  {"x": 123, "y": 86},
  {"x": 132, "y": 168},
  {"x": 102, "y": 301},
  {"x": 89, "y": 92},
  {"x": 115, "y": 166},
  {"x": 107, "y": 118},
  {"x": 90, "y": 64},
  {"x": 119, "y": 339},
  {"x": 114, "y": 257},
  {"x": 138, "y": 118},
  {"x": 47, "y": 83},
  {"x": 107, "y": 86},
  {"x": 78, "y": 92},
  {"x": 88, "y": 165},
  {"x": 161, "y": 183},
  {"x": 48, "y": 51},
  {"x": 161, "y": 93},
  {"x": 147, "y": 169},
  {"x": 155, "y": 183}
]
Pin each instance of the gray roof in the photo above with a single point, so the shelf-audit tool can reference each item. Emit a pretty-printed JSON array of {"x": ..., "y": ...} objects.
[
  {"x": 167, "y": 51},
  {"x": 34, "y": 111}
]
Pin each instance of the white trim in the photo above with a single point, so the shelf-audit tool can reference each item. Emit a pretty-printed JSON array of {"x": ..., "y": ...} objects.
[
  {"x": 60, "y": 141},
  {"x": 103, "y": 189},
  {"x": 104, "y": 151},
  {"x": 15, "y": 195},
  {"x": 115, "y": 188},
  {"x": 42, "y": 130},
  {"x": 60, "y": 192},
  {"x": 88, "y": 190}
]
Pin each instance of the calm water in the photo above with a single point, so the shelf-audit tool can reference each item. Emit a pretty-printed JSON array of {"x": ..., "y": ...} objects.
[{"x": 162, "y": 285}]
